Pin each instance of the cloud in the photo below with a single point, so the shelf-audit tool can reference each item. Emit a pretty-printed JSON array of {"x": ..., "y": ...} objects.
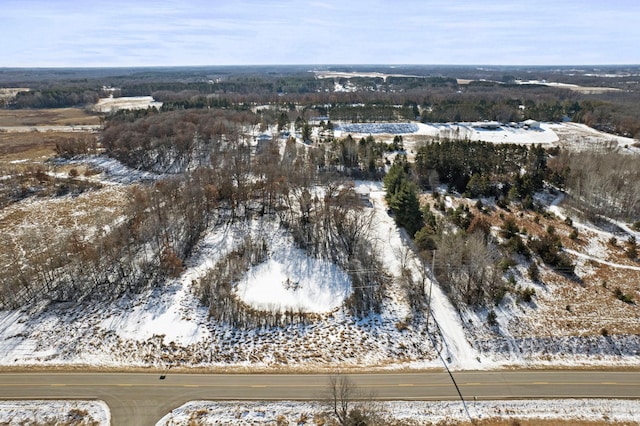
[{"x": 199, "y": 32}]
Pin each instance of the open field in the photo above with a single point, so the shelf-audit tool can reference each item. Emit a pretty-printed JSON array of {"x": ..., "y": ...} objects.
[
  {"x": 46, "y": 117},
  {"x": 132, "y": 102},
  {"x": 29, "y": 146},
  {"x": 338, "y": 74}
]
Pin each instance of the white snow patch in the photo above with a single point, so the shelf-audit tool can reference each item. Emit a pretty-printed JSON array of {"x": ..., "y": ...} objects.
[
  {"x": 291, "y": 280},
  {"x": 160, "y": 315},
  {"x": 421, "y": 412},
  {"x": 133, "y": 102},
  {"x": 113, "y": 171},
  {"x": 502, "y": 134},
  {"x": 54, "y": 412}
]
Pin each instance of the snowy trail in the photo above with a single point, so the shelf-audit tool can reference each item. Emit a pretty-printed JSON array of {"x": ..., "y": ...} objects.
[
  {"x": 456, "y": 346},
  {"x": 462, "y": 354},
  {"x": 604, "y": 262}
]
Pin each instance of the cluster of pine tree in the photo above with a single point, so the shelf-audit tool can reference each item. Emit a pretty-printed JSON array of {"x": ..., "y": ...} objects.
[
  {"x": 402, "y": 196},
  {"x": 481, "y": 169}
]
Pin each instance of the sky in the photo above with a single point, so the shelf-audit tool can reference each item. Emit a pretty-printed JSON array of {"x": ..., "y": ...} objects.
[{"x": 100, "y": 33}]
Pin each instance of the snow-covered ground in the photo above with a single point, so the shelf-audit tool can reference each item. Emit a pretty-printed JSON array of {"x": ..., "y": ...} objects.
[
  {"x": 133, "y": 102},
  {"x": 582, "y": 137},
  {"x": 574, "y": 87},
  {"x": 112, "y": 170},
  {"x": 316, "y": 413},
  {"x": 396, "y": 251},
  {"x": 168, "y": 326},
  {"x": 290, "y": 280},
  {"x": 416, "y": 412},
  {"x": 570, "y": 135},
  {"x": 472, "y": 131},
  {"x": 53, "y": 412},
  {"x": 502, "y": 134}
]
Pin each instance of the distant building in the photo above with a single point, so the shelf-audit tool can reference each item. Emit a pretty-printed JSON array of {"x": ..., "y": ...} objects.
[{"x": 531, "y": 124}]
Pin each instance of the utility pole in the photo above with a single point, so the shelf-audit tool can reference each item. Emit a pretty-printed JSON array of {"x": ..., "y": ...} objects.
[{"x": 433, "y": 265}]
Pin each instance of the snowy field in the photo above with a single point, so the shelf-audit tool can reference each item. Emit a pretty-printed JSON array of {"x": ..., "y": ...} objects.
[
  {"x": 133, "y": 102},
  {"x": 569, "y": 135},
  {"x": 471, "y": 131},
  {"x": 378, "y": 128},
  {"x": 290, "y": 280},
  {"x": 417, "y": 412},
  {"x": 502, "y": 134},
  {"x": 576, "y": 88},
  {"x": 51, "y": 412},
  {"x": 111, "y": 170}
]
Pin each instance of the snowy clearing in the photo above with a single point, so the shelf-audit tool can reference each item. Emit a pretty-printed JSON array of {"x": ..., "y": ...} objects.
[
  {"x": 133, "y": 102},
  {"x": 574, "y": 87},
  {"x": 417, "y": 412},
  {"x": 291, "y": 280},
  {"x": 111, "y": 170},
  {"x": 339, "y": 74},
  {"x": 501, "y": 134},
  {"x": 574, "y": 136},
  {"x": 45, "y": 412}
]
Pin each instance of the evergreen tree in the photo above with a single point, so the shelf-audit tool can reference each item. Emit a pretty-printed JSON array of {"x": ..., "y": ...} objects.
[
  {"x": 406, "y": 205},
  {"x": 402, "y": 196}
]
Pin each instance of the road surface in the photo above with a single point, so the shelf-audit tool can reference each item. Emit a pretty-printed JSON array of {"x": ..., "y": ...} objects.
[{"x": 144, "y": 398}]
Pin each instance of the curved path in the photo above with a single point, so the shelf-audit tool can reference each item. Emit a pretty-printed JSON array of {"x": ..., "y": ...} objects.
[{"x": 144, "y": 398}]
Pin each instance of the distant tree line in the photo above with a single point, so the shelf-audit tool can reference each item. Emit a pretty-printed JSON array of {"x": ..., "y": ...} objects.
[
  {"x": 55, "y": 98},
  {"x": 434, "y": 98}
]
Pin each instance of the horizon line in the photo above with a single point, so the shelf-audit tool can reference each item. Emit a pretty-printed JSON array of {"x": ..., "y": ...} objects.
[{"x": 321, "y": 65}]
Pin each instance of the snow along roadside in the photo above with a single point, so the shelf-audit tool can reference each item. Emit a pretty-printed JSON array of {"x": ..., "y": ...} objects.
[
  {"x": 421, "y": 412},
  {"x": 44, "y": 412},
  {"x": 459, "y": 353}
]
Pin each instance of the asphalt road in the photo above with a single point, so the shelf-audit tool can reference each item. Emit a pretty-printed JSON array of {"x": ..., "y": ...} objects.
[{"x": 142, "y": 399}]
